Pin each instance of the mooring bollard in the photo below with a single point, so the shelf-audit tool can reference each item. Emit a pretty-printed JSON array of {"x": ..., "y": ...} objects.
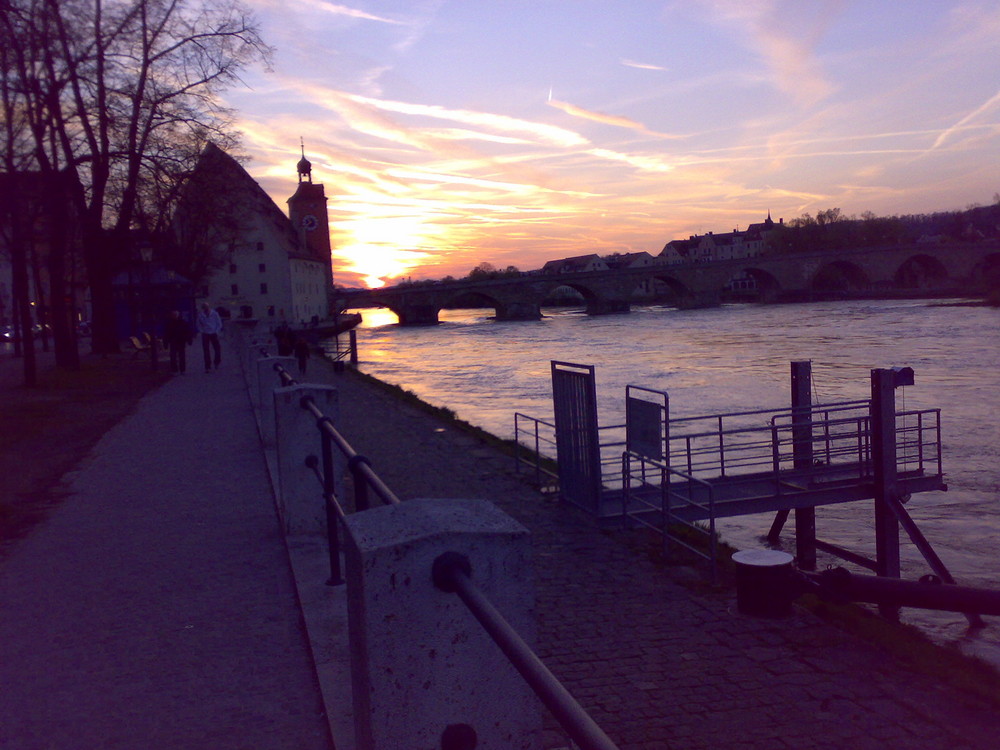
[{"x": 764, "y": 582}]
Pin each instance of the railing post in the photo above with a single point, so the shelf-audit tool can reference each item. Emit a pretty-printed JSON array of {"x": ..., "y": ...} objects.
[
  {"x": 300, "y": 500},
  {"x": 802, "y": 459},
  {"x": 352, "y": 337},
  {"x": 420, "y": 661},
  {"x": 883, "y": 441},
  {"x": 267, "y": 381},
  {"x": 332, "y": 477}
]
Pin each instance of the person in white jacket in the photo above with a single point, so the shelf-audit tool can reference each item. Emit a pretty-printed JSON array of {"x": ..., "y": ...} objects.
[{"x": 210, "y": 326}]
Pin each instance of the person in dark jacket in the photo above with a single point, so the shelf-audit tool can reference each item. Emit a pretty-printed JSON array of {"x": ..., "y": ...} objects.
[
  {"x": 301, "y": 350},
  {"x": 177, "y": 336}
]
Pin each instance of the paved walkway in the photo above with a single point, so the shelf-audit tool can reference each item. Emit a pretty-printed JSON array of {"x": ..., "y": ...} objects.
[{"x": 155, "y": 609}]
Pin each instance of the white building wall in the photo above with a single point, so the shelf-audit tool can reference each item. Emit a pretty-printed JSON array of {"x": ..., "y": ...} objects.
[
  {"x": 308, "y": 292},
  {"x": 256, "y": 278}
]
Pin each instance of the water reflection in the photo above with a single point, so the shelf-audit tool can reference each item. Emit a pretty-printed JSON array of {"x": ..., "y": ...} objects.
[{"x": 736, "y": 358}]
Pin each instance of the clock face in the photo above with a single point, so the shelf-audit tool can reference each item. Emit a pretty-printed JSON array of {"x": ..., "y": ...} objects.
[{"x": 309, "y": 222}]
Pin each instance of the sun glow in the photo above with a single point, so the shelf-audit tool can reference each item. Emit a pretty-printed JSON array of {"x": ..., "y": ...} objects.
[{"x": 379, "y": 248}]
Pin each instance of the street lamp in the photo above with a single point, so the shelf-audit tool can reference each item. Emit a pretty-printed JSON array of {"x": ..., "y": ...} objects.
[{"x": 146, "y": 253}]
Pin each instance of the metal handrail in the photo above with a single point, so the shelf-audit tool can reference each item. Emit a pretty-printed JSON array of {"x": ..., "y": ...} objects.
[
  {"x": 360, "y": 467},
  {"x": 667, "y": 517},
  {"x": 452, "y": 573},
  {"x": 573, "y": 718}
]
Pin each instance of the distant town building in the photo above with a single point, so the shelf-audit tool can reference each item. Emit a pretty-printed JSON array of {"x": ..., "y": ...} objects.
[
  {"x": 576, "y": 264},
  {"x": 711, "y": 247},
  {"x": 630, "y": 260},
  {"x": 274, "y": 267}
]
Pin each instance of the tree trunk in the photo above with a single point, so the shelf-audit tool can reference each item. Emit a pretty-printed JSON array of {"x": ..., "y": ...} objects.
[
  {"x": 97, "y": 250},
  {"x": 19, "y": 280},
  {"x": 63, "y": 325}
]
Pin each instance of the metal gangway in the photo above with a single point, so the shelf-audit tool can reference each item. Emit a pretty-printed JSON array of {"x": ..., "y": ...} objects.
[{"x": 679, "y": 475}]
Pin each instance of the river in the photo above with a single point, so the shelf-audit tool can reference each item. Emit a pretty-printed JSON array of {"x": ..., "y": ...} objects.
[{"x": 736, "y": 358}]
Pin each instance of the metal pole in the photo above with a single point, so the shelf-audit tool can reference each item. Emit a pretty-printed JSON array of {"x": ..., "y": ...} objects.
[
  {"x": 802, "y": 459},
  {"x": 452, "y": 574},
  {"x": 840, "y": 584},
  {"x": 333, "y": 539},
  {"x": 883, "y": 442}
]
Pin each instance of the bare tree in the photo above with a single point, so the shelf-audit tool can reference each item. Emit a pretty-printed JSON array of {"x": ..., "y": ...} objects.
[{"x": 130, "y": 90}]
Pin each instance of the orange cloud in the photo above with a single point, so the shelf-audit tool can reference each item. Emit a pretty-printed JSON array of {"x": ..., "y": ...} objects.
[{"x": 605, "y": 119}]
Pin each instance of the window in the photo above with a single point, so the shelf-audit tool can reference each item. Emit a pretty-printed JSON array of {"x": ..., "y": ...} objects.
[
  {"x": 260, "y": 246},
  {"x": 232, "y": 268},
  {"x": 263, "y": 288},
  {"x": 235, "y": 289},
  {"x": 262, "y": 267},
  {"x": 270, "y": 311}
]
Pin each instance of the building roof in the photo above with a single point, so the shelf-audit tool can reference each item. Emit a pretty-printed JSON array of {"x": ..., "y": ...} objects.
[
  {"x": 217, "y": 170},
  {"x": 576, "y": 263}
]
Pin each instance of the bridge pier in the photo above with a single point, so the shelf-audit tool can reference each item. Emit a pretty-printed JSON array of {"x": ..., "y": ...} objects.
[
  {"x": 417, "y": 315},
  {"x": 695, "y": 300},
  {"x": 607, "y": 306},
  {"x": 519, "y": 311}
]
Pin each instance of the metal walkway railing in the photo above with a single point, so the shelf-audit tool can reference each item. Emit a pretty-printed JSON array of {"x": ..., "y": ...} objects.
[
  {"x": 720, "y": 465},
  {"x": 451, "y": 573}
]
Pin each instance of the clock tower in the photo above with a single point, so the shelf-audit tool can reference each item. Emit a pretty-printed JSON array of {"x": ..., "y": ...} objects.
[
  {"x": 308, "y": 217},
  {"x": 307, "y": 211}
]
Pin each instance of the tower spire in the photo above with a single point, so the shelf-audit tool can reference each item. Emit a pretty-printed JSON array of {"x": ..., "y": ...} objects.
[{"x": 304, "y": 167}]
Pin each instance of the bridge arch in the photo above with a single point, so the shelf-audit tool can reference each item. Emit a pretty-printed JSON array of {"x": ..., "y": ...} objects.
[
  {"x": 920, "y": 271},
  {"x": 672, "y": 288},
  {"x": 751, "y": 284},
  {"x": 505, "y": 307},
  {"x": 840, "y": 276},
  {"x": 599, "y": 299}
]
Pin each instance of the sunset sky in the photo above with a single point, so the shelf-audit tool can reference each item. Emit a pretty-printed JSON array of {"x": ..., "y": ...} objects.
[{"x": 453, "y": 132}]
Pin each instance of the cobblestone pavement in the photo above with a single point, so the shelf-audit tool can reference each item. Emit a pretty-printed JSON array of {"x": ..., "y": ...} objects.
[
  {"x": 155, "y": 607},
  {"x": 655, "y": 663}
]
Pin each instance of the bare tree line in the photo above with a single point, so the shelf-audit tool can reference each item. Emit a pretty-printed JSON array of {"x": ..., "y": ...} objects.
[{"x": 106, "y": 106}]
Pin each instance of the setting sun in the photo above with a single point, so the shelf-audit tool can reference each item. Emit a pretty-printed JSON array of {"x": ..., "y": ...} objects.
[
  {"x": 380, "y": 248},
  {"x": 440, "y": 149}
]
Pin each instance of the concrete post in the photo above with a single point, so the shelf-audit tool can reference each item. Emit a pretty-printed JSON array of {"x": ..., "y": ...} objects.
[
  {"x": 420, "y": 661},
  {"x": 267, "y": 381},
  {"x": 300, "y": 495}
]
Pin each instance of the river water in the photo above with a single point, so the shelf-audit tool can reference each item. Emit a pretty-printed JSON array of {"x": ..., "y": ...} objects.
[{"x": 736, "y": 358}]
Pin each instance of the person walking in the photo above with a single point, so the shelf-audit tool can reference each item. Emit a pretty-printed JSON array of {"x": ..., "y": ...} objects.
[
  {"x": 177, "y": 336},
  {"x": 301, "y": 349},
  {"x": 210, "y": 326}
]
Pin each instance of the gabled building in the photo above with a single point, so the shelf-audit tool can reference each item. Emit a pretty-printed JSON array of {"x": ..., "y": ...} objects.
[
  {"x": 273, "y": 267},
  {"x": 576, "y": 264},
  {"x": 710, "y": 247},
  {"x": 630, "y": 260}
]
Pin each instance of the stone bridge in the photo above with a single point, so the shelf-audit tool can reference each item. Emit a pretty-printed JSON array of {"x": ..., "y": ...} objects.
[{"x": 916, "y": 269}]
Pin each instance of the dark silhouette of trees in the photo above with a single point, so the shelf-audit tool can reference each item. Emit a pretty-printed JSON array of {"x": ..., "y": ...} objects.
[
  {"x": 486, "y": 270},
  {"x": 119, "y": 97},
  {"x": 831, "y": 230}
]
